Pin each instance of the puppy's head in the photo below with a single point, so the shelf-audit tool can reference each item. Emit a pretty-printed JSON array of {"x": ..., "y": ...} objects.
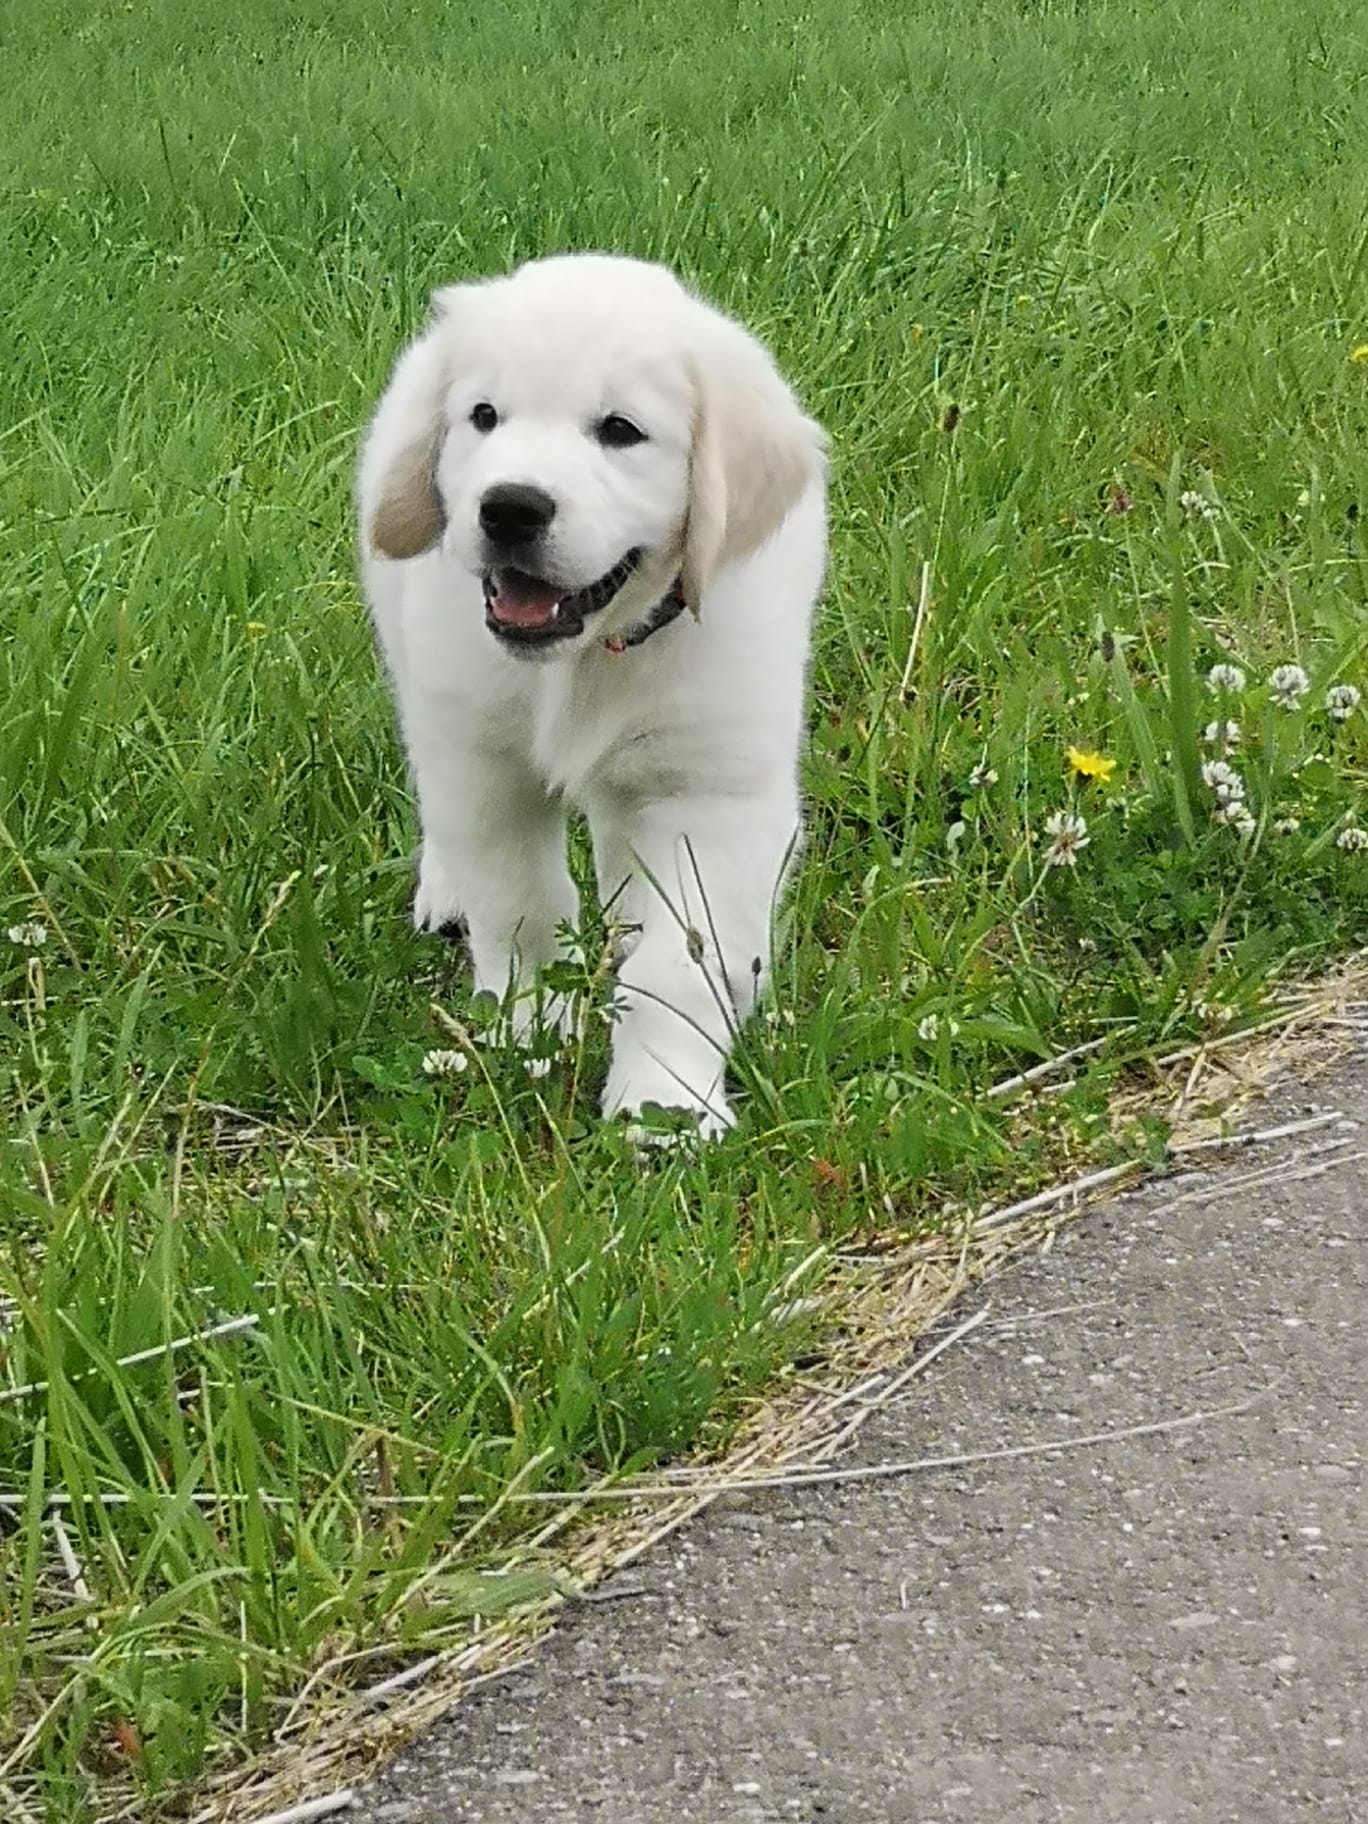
[{"x": 580, "y": 436}]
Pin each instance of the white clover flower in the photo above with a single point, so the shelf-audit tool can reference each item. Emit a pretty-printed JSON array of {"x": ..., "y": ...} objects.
[
  {"x": 31, "y": 936},
  {"x": 982, "y": 775},
  {"x": 1225, "y": 677},
  {"x": 930, "y": 1026},
  {"x": 1215, "y": 1013},
  {"x": 1342, "y": 700},
  {"x": 1220, "y": 777},
  {"x": 1222, "y": 734},
  {"x": 444, "y": 1063},
  {"x": 1288, "y": 685},
  {"x": 1286, "y": 826},
  {"x": 1351, "y": 839},
  {"x": 1193, "y": 502},
  {"x": 1236, "y": 813},
  {"x": 1070, "y": 834}
]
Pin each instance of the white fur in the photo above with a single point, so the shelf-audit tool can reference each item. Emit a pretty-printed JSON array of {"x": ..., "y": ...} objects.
[{"x": 683, "y": 751}]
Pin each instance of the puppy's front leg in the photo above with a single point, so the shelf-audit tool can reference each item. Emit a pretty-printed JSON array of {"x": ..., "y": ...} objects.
[
  {"x": 707, "y": 873},
  {"x": 494, "y": 857}
]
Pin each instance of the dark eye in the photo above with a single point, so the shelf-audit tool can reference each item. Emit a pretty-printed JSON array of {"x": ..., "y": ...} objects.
[
  {"x": 618, "y": 433},
  {"x": 484, "y": 417}
]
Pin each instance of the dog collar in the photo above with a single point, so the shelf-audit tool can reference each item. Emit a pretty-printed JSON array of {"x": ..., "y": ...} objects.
[{"x": 667, "y": 609}]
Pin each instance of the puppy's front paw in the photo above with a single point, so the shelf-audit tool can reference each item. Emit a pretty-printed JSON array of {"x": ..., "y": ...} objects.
[
  {"x": 544, "y": 1025},
  {"x": 632, "y": 1089},
  {"x": 436, "y": 906}
]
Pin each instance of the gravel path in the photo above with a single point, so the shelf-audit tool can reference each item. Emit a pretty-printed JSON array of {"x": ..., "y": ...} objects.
[{"x": 1159, "y": 1629}]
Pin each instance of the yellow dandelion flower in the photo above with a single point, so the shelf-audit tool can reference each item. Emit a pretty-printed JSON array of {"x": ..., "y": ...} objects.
[
  {"x": 255, "y": 629},
  {"x": 1089, "y": 765},
  {"x": 1360, "y": 353}
]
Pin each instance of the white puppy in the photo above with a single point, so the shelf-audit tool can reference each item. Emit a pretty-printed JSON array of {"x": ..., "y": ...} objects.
[{"x": 564, "y": 461}]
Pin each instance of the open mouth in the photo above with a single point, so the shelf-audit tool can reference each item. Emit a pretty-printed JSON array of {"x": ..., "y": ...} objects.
[{"x": 530, "y": 611}]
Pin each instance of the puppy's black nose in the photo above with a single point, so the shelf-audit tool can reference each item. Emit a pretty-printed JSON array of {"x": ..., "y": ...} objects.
[{"x": 514, "y": 513}]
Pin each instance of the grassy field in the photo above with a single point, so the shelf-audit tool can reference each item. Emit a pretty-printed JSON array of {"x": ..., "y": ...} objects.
[{"x": 1079, "y": 291}]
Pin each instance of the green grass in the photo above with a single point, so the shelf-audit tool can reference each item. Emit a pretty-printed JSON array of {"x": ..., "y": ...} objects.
[{"x": 1122, "y": 251}]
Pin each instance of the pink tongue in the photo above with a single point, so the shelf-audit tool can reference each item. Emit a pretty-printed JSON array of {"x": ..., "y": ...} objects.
[{"x": 522, "y": 601}]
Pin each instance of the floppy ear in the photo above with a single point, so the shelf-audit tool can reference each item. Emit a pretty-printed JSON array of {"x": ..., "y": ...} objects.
[
  {"x": 409, "y": 518},
  {"x": 753, "y": 454},
  {"x": 405, "y": 514}
]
